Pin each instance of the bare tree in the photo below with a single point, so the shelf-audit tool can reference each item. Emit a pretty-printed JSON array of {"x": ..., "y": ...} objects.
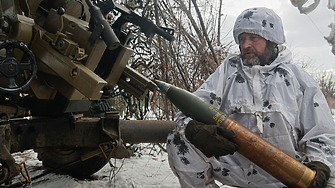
[
  {"x": 193, "y": 56},
  {"x": 190, "y": 59}
]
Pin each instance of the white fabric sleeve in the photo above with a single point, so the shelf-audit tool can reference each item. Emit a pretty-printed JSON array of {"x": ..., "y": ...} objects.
[
  {"x": 212, "y": 86},
  {"x": 317, "y": 125}
]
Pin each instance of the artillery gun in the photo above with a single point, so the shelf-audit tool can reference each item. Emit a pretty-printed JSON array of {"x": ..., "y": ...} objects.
[{"x": 59, "y": 61}]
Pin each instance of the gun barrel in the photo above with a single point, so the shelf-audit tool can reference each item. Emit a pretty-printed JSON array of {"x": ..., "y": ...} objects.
[{"x": 271, "y": 159}]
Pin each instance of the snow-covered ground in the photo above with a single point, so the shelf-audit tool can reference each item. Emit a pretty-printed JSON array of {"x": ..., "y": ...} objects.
[{"x": 149, "y": 168}]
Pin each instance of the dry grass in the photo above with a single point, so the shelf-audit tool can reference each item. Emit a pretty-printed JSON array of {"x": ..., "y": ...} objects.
[{"x": 331, "y": 102}]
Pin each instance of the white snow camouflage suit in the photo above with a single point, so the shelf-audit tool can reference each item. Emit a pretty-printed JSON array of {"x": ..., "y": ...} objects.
[{"x": 280, "y": 102}]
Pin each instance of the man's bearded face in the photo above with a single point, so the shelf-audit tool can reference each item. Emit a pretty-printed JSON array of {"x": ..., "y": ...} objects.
[{"x": 254, "y": 50}]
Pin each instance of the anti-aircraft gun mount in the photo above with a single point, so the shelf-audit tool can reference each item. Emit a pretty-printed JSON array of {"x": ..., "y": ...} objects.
[{"x": 57, "y": 60}]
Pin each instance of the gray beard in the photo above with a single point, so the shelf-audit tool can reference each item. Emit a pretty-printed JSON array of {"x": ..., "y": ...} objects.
[
  {"x": 258, "y": 60},
  {"x": 251, "y": 61}
]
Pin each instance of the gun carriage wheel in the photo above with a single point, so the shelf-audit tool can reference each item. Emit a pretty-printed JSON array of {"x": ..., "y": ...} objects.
[{"x": 56, "y": 157}]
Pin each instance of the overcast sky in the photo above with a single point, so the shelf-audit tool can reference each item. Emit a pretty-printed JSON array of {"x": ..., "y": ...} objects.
[{"x": 302, "y": 36}]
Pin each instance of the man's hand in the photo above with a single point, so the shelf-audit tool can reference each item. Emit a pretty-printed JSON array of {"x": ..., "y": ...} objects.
[
  {"x": 211, "y": 140},
  {"x": 322, "y": 174}
]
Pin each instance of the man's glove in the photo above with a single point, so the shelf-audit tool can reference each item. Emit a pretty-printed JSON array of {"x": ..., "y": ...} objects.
[
  {"x": 211, "y": 140},
  {"x": 322, "y": 174}
]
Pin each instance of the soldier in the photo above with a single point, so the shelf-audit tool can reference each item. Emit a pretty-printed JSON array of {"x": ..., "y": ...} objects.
[{"x": 264, "y": 91}]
